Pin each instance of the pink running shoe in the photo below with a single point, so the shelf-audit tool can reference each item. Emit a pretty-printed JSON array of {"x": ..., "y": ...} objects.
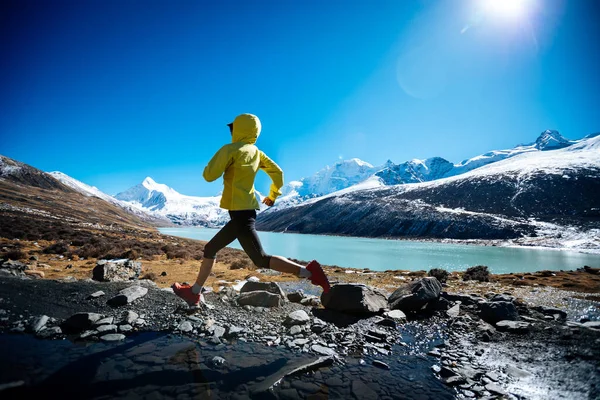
[
  {"x": 318, "y": 276},
  {"x": 185, "y": 292}
]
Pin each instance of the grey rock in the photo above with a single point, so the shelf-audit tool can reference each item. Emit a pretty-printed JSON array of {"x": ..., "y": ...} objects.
[
  {"x": 493, "y": 312},
  {"x": 113, "y": 337},
  {"x": 259, "y": 298},
  {"x": 362, "y": 391},
  {"x": 234, "y": 331},
  {"x": 80, "y": 321},
  {"x": 415, "y": 295},
  {"x": 551, "y": 311},
  {"x": 88, "y": 334},
  {"x": 516, "y": 372},
  {"x": 592, "y": 324},
  {"x": 217, "y": 361},
  {"x": 465, "y": 299},
  {"x": 127, "y": 295},
  {"x": 298, "y": 317},
  {"x": 324, "y": 351},
  {"x": 270, "y": 287},
  {"x": 301, "y": 342},
  {"x": 502, "y": 297},
  {"x": 185, "y": 326},
  {"x": 106, "y": 329},
  {"x": 129, "y": 317},
  {"x": 310, "y": 301},
  {"x": 513, "y": 326},
  {"x": 125, "y": 328},
  {"x": 397, "y": 315},
  {"x": 380, "y": 364},
  {"x": 39, "y": 323},
  {"x": 116, "y": 270},
  {"x": 217, "y": 331},
  {"x": 454, "y": 311},
  {"x": 97, "y": 294},
  {"x": 50, "y": 332},
  {"x": 105, "y": 321},
  {"x": 354, "y": 299},
  {"x": 295, "y": 330},
  {"x": 495, "y": 389},
  {"x": 296, "y": 297}
]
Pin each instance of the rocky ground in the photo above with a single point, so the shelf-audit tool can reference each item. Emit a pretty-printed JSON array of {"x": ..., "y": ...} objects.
[{"x": 257, "y": 340}]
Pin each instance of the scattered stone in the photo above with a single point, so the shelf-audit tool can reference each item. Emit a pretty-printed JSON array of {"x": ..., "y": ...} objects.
[
  {"x": 35, "y": 273},
  {"x": 513, "y": 326},
  {"x": 106, "y": 329},
  {"x": 324, "y": 351},
  {"x": 185, "y": 326},
  {"x": 415, "y": 295},
  {"x": 113, "y": 337},
  {"x": 125, "y": 328},
  {"x": 295, "y": 330},
  {"x": 80, "y": 321},
  {"x": 39, "y": 323},
  {"x": 397, "y": 315},
  {"x": 592, "y": 324},
  {"x": 217, "y": 331},
  {"x": 217, "y": 361},
  {"x": 234, "y": 331},
  {"x": 380, "y": 364},
  {"x": 105, "y": 321},
  {"x": 127, "y": 295},
  {"x": 354, "y": 299},
  {"x": 260, "y": 298},
  {"x": 47, "y": 333},
  {"x": 310, "y": 301},
  {"x": 516, "y": 372},
  {"x": 271, "y": 287},
  {"x": 496, "y": 311},
  {"x": 129, "y": 317},
  {"x": 495, "y": 389},
  {"x": 454, "y": 311},
  {"x": 387, "y": 322},
  {"x": 299, "y": 317},
  {"x": 116, "y": 270},
  {"x": 296, "y": 297},
  {"x": 97, "y": 294},
  {"x": 502, "y": 297},
  {"x": 87, "y": 334}
]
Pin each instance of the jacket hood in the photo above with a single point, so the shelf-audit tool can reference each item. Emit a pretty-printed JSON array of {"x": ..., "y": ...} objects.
[{"x": 246, "y": 128}]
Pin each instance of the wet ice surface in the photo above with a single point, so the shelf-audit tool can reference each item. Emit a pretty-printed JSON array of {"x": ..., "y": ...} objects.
[{"x": 173, "y": 366}]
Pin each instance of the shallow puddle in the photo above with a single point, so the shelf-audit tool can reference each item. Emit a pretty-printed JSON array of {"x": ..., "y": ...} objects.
[{"x": 149, "y": 365}]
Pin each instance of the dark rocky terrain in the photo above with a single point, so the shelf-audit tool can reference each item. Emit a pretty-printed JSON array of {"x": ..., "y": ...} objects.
[{"x": 450, "y": 345}]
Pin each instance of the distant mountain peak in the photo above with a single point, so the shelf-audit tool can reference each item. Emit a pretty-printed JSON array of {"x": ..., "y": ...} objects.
[{"x": 551, "y": 140}]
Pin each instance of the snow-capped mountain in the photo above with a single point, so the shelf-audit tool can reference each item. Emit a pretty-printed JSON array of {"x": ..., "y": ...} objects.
[
  {"x": 162, "y": 201},
  {"x": 341, "y": 175},
  {"x": 88, "y": 190},
  {"x": 511, "y": 198},
  {"x": 435, "y": 168}
]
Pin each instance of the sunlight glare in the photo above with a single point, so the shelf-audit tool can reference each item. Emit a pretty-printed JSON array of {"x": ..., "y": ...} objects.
[{"x": 512, "y": 9}]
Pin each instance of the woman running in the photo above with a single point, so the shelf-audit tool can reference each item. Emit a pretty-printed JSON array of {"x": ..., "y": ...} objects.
[{"x": 238, "y": 162}]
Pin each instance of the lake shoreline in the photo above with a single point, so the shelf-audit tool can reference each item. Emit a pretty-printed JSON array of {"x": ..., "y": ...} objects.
[{"x": 521, "y": 243}]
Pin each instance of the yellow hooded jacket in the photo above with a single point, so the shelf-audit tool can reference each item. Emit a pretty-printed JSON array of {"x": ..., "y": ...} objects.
[{"x": 239, "y": 161}]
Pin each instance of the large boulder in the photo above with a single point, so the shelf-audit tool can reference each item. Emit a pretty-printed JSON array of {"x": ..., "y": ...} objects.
[
  {"x": 270, "y": 287},
  {"x": 116, "y": 270},
  {"x": 354, "y": 299},
  {"x": 415, "y": 295},
  {"x": 259, "y": 298},
  {"x": 496, "y": 311}
]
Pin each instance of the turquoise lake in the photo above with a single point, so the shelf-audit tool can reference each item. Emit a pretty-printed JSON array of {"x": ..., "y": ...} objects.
[{"x": 381, "y": 254}]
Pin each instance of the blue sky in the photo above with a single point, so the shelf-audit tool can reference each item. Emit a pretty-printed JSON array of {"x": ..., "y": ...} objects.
[{"x": 110, "y": 92}]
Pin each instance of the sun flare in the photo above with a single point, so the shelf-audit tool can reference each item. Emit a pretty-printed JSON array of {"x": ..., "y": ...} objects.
[{"x": 512, "y": 9}]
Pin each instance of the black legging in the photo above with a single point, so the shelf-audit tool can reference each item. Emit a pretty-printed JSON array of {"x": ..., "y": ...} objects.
[{"x": 241, "y": 227}]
